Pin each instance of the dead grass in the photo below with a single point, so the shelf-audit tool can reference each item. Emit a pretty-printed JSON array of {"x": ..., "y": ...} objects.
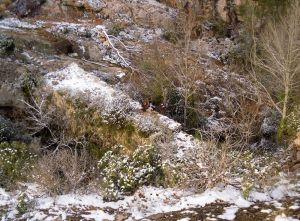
[
  {"x": 4, "y": 4},
  {"x": 64, "y": 171},
  {"x": 211, "y": 164}
]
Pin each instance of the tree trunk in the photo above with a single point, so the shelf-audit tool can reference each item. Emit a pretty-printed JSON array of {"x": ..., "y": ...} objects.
[{"x": 282, "y": 125}]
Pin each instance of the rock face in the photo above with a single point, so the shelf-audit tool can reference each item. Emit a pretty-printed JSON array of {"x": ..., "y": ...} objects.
[{"x": 24, "y": 8}]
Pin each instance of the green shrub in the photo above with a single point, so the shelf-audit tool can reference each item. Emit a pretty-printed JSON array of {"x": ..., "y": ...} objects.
[
  {"x": 264, "y": 8},
  {"x": 15, "y": 159},
  {"x": 171, "y": 175},
  {"x": 6, "y": 45},
  {"x": 116, "y": 29},
  {"x": 293, "y": 122},
  {"x": 29, "y": 83},
  {"x": 219, "y": 27},
  {"x": 123, "y": 174},
  {"x": 24, "y": 204},
  {"x": 171, "y": 36},
  {"x": 8, "y": 130}
]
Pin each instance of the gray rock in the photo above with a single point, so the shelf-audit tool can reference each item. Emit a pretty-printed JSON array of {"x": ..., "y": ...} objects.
[
  {"x": 23, "y": 8},
  {"x": 270, "y": 123},
  {"x": 10, "y": 132},
  {"x": 7, "y": 131}
]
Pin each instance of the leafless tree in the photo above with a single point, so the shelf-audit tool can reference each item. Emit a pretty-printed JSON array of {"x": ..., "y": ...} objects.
[{"x": 280, "y": 58}]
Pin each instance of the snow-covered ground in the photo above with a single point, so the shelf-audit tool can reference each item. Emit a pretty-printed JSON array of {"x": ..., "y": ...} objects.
[{"x": 145, "y": 202}]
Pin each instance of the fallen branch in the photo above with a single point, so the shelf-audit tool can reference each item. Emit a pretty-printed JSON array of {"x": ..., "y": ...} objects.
[{"x": 114, "y": 48}]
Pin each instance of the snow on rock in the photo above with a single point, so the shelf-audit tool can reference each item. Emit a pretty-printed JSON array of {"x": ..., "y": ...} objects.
[
  {"x": 283, "y": 217},
  {"x": 183, "y": 142},
  {"x": 82, "y": 30},
  {"x": 278, "y": 191},
  {"x": 169, "y": 123},
  {"x": 294, "y": 207},
  {"x": 266, "y": 211},
  {"x": 4, "y": 198},
  {"x": 98, "y": 215},
  {"x": 76, "y": 81},
  {"x": 145, "y": 202},
  {"x": 114, "y": 105},
  {"x": 184, "y": 219},
  {"x": 229, "y": 213},
  {"x": 14, "y": 23}
]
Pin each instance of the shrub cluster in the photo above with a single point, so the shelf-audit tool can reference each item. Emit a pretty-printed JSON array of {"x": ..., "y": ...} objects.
[
  {"x": 16, "y": 159},
  {"x": 123, "y": 174}
]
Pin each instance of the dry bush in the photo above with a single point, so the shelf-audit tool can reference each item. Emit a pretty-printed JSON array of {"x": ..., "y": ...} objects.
[
  {"x": 211, "y": 164},
  {"x": 168, "y": 79},
  {"x": 64, "y": 171},
  {"x": 70, "y": 122},
  {"x": 277, "y": 58},
  {"x": 243, "y": 121},
  {"x": 4, "y": 4}
]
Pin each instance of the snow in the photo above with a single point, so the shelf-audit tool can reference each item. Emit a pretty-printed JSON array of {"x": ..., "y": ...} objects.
[
  {"x": 229, "y": 213},
  {"x": 114, "y": 105},
  {"x": 183, "y": 142},
  {"x": 98, "y": 215},
  {"x": 258, "y": 196},
  {"x": 14, "y": 23},
  {"x": 76, "y": 81},
  {"x": 169, "y": 123},
  {"x": 189, "y": 211},
  {"x": 184, "y": 219},
  {"x": 4, "y": 198},
  {"x": 145, "y": 202},
  {"x": 38, "y": 216},
  {"x": 294, "y": 207},
  {"x": 155, "y": 200},
  {"x": 283, "y": 217},
  {"x": 266, "y": 211}
]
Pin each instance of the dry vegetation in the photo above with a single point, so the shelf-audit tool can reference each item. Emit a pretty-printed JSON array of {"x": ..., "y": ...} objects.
[
  {"x": 279, "y": 60},
  {"x": 77, "y": 147},
  {"x": 4, "y": 4}
]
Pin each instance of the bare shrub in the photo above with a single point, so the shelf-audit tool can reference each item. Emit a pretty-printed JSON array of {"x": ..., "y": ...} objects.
[
  {"x": 279, "y": 61},
  {"x": 4, "y": 4},
  {"x": 64, "y": 171},
  {"x": 169, "y": 80},
  {"x": 211, "y": 164}
]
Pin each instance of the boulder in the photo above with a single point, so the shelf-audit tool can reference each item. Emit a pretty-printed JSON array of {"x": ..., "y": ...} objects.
[
  {"x": 270, "y": 123},
  {"x": 9, "y": 131},
  {"x": 23, "y": 8}
]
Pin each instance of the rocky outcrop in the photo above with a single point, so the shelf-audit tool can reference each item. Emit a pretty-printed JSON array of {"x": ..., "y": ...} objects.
[
  {"x": 24, "y": 8},
  {"x": 95, "y": 5},
  {"x": 115, "y": 106}
]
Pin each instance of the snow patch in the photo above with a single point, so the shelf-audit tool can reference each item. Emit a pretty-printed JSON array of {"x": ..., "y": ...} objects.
[
  {"x": 14, "y": 23},
  {"x": 266, "y": 211},
  {"x": 229, "y": 213},
  {"x": 98, "y": 215},
  {"x": 184, "y": 219},
  {"x": 283, "y": 217}
]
